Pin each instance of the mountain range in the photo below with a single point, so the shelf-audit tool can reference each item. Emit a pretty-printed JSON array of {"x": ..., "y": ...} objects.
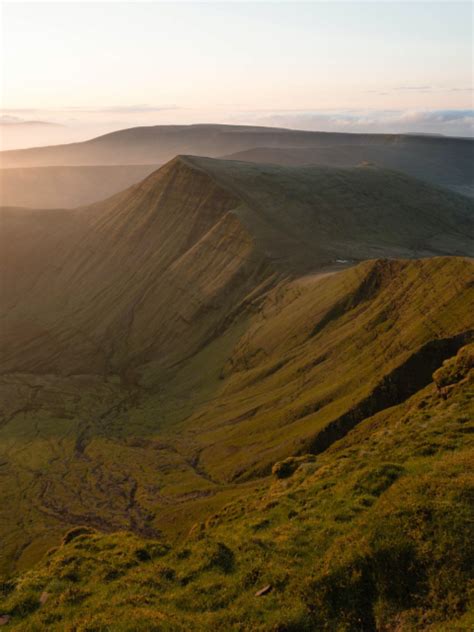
[
  {"x": 238, "y": 395},
  {"x": 24, "y": 180}
]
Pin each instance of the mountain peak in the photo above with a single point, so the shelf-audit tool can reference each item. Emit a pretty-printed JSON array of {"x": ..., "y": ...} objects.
[{"x": 199, "y": 230}]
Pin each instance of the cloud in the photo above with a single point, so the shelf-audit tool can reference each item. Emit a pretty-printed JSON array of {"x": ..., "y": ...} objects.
[
  {"x": 106, "y": 109},
  {"x": 422, "y": 89},
  {"x": 448, "y": 122},
  {"x": 13, "y": 121},
  {"x": 126, "y": 109},
  {"x": 438, "y": 116},
  {"x": 5, "y": 119},
  {"x": 415, "y": 88}
]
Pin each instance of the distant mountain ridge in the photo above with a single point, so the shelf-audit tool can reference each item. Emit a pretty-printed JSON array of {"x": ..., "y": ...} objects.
[{"x": 441, "y": 160}]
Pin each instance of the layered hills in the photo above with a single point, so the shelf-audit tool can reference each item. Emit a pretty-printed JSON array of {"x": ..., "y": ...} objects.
[
  {"x": 165, "y": 350},
  {"x": 439, "y": 160}
]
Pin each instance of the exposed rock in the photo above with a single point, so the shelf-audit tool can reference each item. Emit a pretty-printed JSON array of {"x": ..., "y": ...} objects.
[
  {"x": 284, "y": 469},
  {"x": 43, "y": 598},
  {"x": 72, "y": 534},
  {"x": 263, "y": 591},
  {"x": 454, "y": 370}
]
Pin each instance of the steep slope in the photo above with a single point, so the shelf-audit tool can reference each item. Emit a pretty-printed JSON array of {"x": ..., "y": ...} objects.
[
  {"x": 373, "y": 535},
  {"x": 126, "y": 272},
  {"x": 161, "y": 350},
  {"x": 313, "y": 216},
  {"x": 157, "y": 269},
  {"x": 324, "y": 353},
  {"x": 439, "y": 160},
  {"x": 66, "y": 187},
  {"x": 294, "y": 370}
]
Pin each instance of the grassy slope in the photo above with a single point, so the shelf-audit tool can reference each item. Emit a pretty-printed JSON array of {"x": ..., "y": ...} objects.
[
  {"x": 374, "y": 534},
  {"x": 157, "y": 455},
  {"x": 125, "y": 272},
  {"x": 314, "y": 215},
  {"x": 447, "y": 164},
  {"x": 153, "y": 272},
  {"x": 163, "y": 358},
  {"x": 318, "y": 348}
]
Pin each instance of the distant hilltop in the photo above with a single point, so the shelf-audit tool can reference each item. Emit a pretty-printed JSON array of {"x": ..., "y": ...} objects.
[{"x": 441, "y": 160}]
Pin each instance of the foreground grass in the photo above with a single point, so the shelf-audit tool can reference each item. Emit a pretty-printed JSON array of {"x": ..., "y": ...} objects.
[{"x": 374, "y": 534}]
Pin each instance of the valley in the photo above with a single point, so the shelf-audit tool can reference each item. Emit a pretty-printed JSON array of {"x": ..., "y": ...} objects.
[
  {"x": 199, "y": 359},
  {"x": 236, "y": 316}
]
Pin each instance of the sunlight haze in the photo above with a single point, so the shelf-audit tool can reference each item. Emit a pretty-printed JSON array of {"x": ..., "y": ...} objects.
[{"x": 96, "y": 67}]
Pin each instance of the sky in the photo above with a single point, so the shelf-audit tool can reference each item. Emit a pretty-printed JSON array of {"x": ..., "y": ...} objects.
[{"x": 89, "y": 67}]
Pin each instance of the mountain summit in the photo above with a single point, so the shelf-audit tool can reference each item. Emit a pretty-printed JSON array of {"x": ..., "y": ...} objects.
[{"x": 156, "y": 269}]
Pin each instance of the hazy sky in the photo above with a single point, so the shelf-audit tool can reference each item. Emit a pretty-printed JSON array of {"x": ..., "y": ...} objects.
[{"x": 322, "y": 65}]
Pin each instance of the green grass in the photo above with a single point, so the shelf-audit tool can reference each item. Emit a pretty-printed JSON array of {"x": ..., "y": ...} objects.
[
  {"x": 178, "y": 445},
  {"x": 163, "y": 363},
  {"x": 374, "y": 534}
]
